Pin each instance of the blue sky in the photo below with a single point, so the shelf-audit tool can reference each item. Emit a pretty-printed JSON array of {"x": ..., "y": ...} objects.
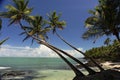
[{"x": 73, "y": 12}]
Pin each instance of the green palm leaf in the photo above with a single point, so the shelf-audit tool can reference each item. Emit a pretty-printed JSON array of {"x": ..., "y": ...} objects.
[{"x": 55, "y": 22}]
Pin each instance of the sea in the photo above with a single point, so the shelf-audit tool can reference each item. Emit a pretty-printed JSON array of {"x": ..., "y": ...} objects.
[
  {"x": 45, "y": 68},
  {"x": 35, "y": 63}
]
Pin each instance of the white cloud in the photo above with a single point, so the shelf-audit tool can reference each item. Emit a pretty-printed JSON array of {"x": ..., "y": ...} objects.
[{"x": 41, "y": 51}]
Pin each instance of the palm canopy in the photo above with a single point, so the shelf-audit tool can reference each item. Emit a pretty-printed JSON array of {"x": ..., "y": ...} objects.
[
  {"x": 36, "y": 28},
  {"x": 105, "y": 20},
  {"x": 17, "y": 12},
  {"x": 54, "y": 21}
]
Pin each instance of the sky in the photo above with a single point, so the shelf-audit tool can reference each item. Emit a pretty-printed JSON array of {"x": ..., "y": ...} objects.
[{"x": 73, "y": 12}]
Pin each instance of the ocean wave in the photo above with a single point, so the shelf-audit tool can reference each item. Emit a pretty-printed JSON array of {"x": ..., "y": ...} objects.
[{"x": 5, "y": 67}]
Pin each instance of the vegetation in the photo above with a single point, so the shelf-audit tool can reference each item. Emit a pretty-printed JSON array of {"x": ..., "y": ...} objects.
[
  {"x": 37, "y": 28},
  {"x": 105, "y": 20},
  {"x": 110, "y": 52}
]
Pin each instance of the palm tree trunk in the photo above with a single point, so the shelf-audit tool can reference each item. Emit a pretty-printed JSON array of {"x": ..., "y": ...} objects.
[
  {"x": 76, "y": 71},
  {"x": 80, "y": 52},
  {"x": 90, "y": 71}
]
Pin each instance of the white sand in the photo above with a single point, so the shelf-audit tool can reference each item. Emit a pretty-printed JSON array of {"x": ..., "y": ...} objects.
[
  {"x": 55, "y": 75},
  {"x": 111, "y": 65}
]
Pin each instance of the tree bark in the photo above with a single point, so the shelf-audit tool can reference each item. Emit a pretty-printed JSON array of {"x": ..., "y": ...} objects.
[{"x": 101, "y": 69}]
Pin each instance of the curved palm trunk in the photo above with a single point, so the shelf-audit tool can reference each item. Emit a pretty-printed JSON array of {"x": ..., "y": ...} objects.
[
  {"x": 90, "y": 71},
  {"x": 80, "y": 52},
  {"x": 65, "y": 53},
  {"x": 76, "y": 71}
]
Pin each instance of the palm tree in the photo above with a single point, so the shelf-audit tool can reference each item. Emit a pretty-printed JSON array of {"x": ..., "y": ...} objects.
[
  {"x": 105, "y": 20},
  {"x": 54, "y": 23},
  {"x": 17, "y": 12}
]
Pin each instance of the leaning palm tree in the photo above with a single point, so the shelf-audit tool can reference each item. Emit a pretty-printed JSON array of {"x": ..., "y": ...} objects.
[
  {"x": 54, "y": 23},
  {"x": 105, "y": 20}
]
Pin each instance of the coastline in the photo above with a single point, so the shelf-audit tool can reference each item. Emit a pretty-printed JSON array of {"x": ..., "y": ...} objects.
[
  {"x": 111, "y": 65},
  {"x": 51, "y": 74}
]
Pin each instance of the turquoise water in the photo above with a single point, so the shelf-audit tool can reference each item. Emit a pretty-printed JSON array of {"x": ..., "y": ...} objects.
[{"x": 33, "y": 63}]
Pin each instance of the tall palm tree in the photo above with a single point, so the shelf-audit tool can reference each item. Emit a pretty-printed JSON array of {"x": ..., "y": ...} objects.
[
  {"x": 54, "y": 23},
  {"x": 105, "y": 20}
]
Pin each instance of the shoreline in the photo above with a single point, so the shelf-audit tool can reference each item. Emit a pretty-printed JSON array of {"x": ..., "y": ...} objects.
[
  {"x": 105, "y": 65},
  {"x": 50, "y": 74},
  {"x": 111, "y": 65}
]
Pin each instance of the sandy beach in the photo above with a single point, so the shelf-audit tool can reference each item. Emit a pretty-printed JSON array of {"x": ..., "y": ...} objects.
[{"x": 111, "y": 65}]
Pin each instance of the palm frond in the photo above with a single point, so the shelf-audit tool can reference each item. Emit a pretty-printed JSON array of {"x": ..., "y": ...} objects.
[
  {"x": 10, "y": 8},
  {"x": 27, "y": 37},
  {"x": 2, "y": 41},
  {"x": 11, "y": 22},
  {"x": 55, "y": 22}
]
